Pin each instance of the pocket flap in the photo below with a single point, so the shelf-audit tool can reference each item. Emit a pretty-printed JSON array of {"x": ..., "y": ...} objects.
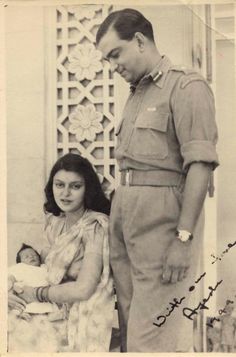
[{"x": 153, "y": 120}]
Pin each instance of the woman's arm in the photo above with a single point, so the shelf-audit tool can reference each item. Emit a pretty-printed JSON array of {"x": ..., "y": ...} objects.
[
  {"x": 82, "y": 289},
  {"x": 87, "y": 281},
  {"x": 88, "y": 277}
]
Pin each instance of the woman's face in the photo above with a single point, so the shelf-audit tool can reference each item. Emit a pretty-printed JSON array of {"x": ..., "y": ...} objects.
[{"x": 69, "y": 190}]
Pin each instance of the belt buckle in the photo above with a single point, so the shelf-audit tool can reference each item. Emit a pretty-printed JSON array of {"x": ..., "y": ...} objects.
[{"x": 127, "y": 178}]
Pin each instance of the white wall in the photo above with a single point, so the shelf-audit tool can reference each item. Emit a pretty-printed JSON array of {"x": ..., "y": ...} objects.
[{"x": 25, "y": 125}]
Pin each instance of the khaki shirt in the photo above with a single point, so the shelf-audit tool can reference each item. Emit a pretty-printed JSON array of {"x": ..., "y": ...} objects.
[{"x": 168, "y": 122}]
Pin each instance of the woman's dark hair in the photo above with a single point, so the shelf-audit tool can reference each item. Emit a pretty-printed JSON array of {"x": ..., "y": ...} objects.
[
  {"x": 94, "y": 198},
  {"x": 23, "y": 247},
  {"x": 126, "y": 22}
]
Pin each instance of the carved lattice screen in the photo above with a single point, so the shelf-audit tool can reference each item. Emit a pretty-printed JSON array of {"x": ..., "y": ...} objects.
[{"x": 80, "y": 90}]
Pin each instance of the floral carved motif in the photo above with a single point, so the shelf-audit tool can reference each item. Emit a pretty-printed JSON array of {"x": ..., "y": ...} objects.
[
  {"x": 85, "y": 122},
  {"x": 85, "y": 61}
]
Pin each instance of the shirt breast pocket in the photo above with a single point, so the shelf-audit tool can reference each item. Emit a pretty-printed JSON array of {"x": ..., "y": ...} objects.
[{"x": 149, "y": 136}]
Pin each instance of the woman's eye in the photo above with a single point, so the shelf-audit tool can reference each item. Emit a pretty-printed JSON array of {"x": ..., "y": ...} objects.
[
  {"x": 59, "y": 185},
  {"x": 76, "y": 187}
]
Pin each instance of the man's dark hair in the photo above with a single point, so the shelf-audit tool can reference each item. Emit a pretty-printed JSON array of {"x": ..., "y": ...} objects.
[
  {"x": 126, "y": 22},
  {"x": 23, "y": 247}
]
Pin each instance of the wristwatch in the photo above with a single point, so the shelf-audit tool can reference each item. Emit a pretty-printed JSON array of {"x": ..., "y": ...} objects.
[{"x": 183, "y": 235}]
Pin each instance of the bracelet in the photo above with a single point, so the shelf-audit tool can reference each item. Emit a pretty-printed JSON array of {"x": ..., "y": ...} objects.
[
  {"x": 45, "y": 296},
  {"x": 42, "y": 293},
  {"x": 37, "y": 293}
]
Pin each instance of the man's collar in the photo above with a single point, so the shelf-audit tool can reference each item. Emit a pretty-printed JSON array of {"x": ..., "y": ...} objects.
[{"x": 159, "y": 72}]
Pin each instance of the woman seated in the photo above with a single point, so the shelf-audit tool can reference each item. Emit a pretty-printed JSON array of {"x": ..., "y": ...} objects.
[{"x": 77, "y": 260}]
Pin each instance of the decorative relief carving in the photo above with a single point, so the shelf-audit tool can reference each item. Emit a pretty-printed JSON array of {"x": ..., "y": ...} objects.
[
  {"x": 85, "y": 61},
  {"x": 85, "y": 102},
  {"x": 84, "y": 11},
  {"x": 85, "y": 122}
]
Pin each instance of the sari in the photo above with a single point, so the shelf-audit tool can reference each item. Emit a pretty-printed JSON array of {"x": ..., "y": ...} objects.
[{"x": 87, "y": 325}]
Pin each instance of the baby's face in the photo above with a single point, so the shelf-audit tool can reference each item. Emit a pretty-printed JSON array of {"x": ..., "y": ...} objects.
[{"x": 30, "y": 257}]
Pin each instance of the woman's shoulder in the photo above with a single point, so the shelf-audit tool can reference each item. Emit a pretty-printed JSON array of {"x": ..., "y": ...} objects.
[
  {"x": 95, "y": 232},
  {"x": 99, "y": 217},
  {"x": 51, "y": 220}
]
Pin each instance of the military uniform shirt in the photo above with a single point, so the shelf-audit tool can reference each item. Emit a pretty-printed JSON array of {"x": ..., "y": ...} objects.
[{"x": 168, "y": 122}]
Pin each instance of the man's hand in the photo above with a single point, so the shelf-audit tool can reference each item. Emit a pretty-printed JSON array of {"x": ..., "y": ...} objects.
[{"x": 176, "y": 262}]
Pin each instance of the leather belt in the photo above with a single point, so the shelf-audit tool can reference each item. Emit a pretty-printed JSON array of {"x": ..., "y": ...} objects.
[{"x": 151, "y": 178}]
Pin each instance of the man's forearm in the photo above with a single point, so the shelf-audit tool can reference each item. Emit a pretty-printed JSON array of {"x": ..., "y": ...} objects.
[{"x": 194, "y": 195}]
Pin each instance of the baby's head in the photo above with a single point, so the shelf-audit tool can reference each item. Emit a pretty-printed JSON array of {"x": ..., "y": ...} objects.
[{"x": 28, "y": 255}]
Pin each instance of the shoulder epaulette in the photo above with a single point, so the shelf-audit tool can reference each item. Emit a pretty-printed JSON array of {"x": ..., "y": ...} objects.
[
  {"x": 189, "y": 76},
  {"x": 185, "y": 70}
]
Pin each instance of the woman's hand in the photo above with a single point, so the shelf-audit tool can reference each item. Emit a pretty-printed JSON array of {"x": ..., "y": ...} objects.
[
  {"x": 15, "y": 302},
  {"x": 27, "y": 293},
  {"x": 11, "y": 281}
]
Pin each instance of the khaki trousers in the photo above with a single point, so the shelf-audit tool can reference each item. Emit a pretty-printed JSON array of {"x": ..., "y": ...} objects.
[{"x": 142, "y": 225}]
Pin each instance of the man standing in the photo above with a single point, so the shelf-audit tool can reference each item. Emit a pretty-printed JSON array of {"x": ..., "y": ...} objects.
[{"x": 165, "y": 151}]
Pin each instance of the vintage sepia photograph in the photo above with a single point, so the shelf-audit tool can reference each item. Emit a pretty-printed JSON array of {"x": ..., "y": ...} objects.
[{"x": 118, "y": 176}]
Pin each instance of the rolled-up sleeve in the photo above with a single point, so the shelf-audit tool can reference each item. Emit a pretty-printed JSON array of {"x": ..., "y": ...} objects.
[{"x": 194, "y": 116}]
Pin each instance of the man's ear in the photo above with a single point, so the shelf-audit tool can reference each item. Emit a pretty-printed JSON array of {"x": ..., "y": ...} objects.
[{"x": 141, "y": 40}]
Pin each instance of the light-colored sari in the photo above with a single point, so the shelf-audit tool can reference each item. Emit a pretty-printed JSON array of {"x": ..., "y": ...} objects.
[
  {"x": 89, "y": 322},
  {"x": 88, "y": 325}
]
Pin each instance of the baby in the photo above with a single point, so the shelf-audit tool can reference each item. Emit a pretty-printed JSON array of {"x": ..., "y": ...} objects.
[{"x": 29, "y": 271}]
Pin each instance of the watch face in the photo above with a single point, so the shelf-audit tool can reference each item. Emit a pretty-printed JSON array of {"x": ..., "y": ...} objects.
[{"x": 184, "y": 236}]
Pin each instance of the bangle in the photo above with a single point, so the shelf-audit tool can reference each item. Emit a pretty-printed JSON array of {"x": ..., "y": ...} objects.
[
  {"x": 41, "y": 293},
  {"x": 37, "y": 293},
  {"x": 44, "y": 294},
  {"x": 48, "y": 299}
]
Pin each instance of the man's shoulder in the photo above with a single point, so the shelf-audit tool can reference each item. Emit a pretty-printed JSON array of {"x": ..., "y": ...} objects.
[{"x": 187, "y": 75}]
